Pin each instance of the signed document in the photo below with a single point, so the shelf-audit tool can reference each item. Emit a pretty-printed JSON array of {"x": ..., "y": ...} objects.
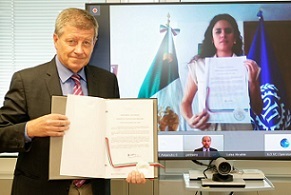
[
  {"x": 227, "y": 98},
  {"x": 108, "y": 138}
]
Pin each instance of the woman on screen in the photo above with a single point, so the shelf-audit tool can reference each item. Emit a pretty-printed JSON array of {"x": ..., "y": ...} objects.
[{"x": 221, "y": 39}]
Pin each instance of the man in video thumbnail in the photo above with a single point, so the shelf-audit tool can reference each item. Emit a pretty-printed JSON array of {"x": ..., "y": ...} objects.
[{"x": 206, "y": 143}]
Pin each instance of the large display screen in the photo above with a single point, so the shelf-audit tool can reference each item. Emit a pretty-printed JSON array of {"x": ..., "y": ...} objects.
[{"x": 151, "y": 47}]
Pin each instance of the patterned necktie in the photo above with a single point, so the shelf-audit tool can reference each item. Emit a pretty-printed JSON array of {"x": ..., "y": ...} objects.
[
  {"x": 77, "y": 87},
  {"x": 77, "y": 90}
]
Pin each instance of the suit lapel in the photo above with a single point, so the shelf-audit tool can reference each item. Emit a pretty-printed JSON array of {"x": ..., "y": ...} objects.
[
  {"x": 92, "y": 82},
  {"x": 52, "y": 79}
]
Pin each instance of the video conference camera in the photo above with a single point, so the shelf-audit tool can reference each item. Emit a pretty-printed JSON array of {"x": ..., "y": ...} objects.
[{"x": 223, "y": 168}]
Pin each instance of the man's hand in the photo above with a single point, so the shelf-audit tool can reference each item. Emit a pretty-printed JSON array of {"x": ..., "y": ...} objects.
[
  {"x": 136, "y": 177},
  {"x": 53, "y": 125}
]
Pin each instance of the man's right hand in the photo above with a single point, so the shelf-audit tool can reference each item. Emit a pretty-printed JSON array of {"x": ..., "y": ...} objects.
[{"x": 53, "y": 125}]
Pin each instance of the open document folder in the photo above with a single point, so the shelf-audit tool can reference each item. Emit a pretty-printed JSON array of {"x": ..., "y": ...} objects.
[{"x": 108, "y": 138}]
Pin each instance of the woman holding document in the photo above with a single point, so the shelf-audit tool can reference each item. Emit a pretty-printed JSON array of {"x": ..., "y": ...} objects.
[{"x": 222, "y": 40}]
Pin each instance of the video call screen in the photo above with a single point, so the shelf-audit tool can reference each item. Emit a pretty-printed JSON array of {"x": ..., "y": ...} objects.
[{"x": 150, "y": 48}]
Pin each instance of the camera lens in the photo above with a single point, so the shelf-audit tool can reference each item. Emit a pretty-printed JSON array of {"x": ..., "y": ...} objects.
[{"x": 224, "y": 168}]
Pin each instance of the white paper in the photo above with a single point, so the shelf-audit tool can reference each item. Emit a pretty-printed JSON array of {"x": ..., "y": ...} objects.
[
  {"x": 227, "y": 99},
  {"x": 83, "y": 150},
  {"x": 130, "y": 133},
  {"x": 128, "y": 126}
]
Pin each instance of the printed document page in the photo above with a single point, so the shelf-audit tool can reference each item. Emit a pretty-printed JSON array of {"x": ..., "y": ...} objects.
[
  {"x": 227, "y": 99},
  {"x": 130, "y": 133}
]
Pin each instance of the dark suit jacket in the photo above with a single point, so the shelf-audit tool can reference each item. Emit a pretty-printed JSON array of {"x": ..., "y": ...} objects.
[
  {"x": 201, "y": 149},
  {"x": 29, "y": 97}
]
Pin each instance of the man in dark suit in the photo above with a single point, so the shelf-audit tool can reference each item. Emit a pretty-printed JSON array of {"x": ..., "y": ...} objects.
[
  {"x": 25, "y": 120},
  {"x": 206, "y": 142}
]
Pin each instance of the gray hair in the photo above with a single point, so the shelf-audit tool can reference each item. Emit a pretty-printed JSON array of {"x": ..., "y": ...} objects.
[
  {"x": 78, "y": 18},
  {"x": 206, "y": 137}
]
